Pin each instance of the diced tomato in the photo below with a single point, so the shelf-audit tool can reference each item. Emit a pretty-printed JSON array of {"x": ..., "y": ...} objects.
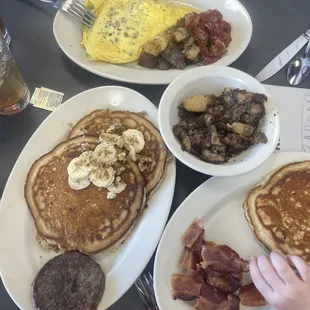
[
  {"x": 191, "y": 21},
  {"x": 199, "y": 35},
  {"x": 211, "y": 16}
]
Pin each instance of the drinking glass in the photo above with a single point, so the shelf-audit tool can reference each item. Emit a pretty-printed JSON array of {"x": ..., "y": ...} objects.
[
  {"x": 5, "y": 32},
  {"x": 14, "y": 93}
]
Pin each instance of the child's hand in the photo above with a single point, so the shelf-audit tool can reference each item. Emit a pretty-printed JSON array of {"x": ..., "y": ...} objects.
[{"x": 279, "y": 284}]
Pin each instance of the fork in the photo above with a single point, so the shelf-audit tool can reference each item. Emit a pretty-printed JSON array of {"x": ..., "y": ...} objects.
[
  {"x": 144, "y": 285},
  {"x": 75, "y": 9}
]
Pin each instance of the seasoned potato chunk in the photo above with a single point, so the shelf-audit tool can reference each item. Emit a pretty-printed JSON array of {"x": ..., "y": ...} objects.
[
  {"x": 181, "y": 34},
  {"x": 191, "y": 52},
  {"x": 186, "y": 142},
  {"x": 195, "y": 104},
  {"x": 242, "y": 129},
  {"x": 156, "y": 46}
]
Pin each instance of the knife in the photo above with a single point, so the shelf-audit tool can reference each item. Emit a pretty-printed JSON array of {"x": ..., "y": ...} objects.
[{"x": 283, "y": 58}]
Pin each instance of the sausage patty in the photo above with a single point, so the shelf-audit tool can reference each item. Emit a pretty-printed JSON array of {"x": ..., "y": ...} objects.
[{"x": 70, "y": 281}]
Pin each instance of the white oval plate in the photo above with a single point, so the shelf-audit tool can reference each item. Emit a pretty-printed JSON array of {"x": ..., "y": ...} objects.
[
  {"x": 219, "y": 202},
  {"x": 213, "y": 80},
  {"x": 68, "y": 36},
  {"x": 20, "y": 255}
]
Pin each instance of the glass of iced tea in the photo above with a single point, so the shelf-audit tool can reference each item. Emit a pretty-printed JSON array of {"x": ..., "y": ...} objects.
[
  {"x": 5, "y": 32},
  {"x": 14, "y": 93}
]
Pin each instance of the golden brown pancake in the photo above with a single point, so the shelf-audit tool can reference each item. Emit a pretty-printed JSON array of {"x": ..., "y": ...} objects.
[
  {"x": 100, "y": 121},
  {"x": 278, "y": 210},
  {"x": 83, "y": 220}
]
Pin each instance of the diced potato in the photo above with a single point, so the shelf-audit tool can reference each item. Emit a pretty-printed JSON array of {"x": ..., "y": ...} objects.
[
  {"x": 156, "y": 46},
  {"x": 186, "y": 142},
  {"x": 242, "y": 129},
  {"x": 191, "y": 52},
  {"x": 195, "y": 104},
  {"x": 181, "y": 34}
]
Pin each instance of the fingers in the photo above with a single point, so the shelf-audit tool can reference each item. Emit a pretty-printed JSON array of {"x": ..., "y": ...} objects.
[
  {"x": 301, "y": 266},
  {"x": 269, "y": 273},
  {"x": 283, "y": 269},
  {"x": 259, "y": 281}
]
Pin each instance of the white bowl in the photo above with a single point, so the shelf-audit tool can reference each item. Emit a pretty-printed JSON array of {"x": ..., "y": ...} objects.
[{"x": 212, "y": 80}]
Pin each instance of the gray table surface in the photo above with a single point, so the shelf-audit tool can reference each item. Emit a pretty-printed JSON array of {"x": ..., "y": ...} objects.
[{"x": 276, "y": 24}]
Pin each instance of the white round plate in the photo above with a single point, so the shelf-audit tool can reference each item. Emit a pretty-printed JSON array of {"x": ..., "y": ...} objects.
[
  {"x": 213, "y": 80},
  {"x": 20, "y": 255},
  {"x": 68, "y": 36},
  {"x": 219, "y": 203}
]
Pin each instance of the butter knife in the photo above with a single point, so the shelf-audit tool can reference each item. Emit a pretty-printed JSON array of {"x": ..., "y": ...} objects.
[{"x": 283, "y": 58}]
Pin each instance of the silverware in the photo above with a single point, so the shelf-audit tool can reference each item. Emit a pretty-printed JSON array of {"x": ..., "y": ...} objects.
[
  {"x": 75, "y": 9},
  {"x": 144, "y": 285},
  {"x": 299, "y": 68},
  {"x": 283, "y": 58}
]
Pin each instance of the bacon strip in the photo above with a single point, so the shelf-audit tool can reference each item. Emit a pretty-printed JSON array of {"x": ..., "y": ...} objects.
[
  {"x": 250, "y": 296},
  {"x": 219, "y": 259},
  {"x": 233, "y": 302},
  {"x": 185, "y": 287},
  {"x": 192, "y": 234},
  {"x": 212, "y": 300},
  {"x": 225, "y": 283},
  {"x": 188, "y": 261}
]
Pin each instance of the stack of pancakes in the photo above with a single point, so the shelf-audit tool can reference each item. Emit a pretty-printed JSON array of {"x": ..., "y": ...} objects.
[
  {"x": 278, "y": 210},
  {"x": 86, "y": 220}
]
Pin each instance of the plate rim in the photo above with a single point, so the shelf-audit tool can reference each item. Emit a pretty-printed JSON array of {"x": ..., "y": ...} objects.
[
  {"x": 278, "y": 157},
  {"x": 164, "y": 81},
  {"x": 170, "y": 179}
]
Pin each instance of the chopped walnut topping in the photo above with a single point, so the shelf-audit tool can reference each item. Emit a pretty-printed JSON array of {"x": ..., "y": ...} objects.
[{"x": 142, "y": 167}]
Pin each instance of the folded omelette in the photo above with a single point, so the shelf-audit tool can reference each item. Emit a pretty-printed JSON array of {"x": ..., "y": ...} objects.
[{"x": 123, "y": 26}]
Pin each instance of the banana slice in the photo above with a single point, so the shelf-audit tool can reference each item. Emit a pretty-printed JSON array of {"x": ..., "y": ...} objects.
[
  {"x": 111, "y": 139},
  {"x": 106, "y": 154},
  {"x": 75, "y": 171},
  {"x": 103, "y": 177},
  {"x": 132, "y": 153},
  {"x": 117, "y": 187},
  {"x": 135, "y": 138},
  {"x": 78, "y": 184},
  {"x": 88, "y": 162}
]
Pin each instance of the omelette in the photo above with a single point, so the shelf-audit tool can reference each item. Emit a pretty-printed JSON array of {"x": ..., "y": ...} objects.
[{"x": 123, "y": 26}]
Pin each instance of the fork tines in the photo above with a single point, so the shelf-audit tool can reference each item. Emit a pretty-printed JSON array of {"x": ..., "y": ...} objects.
[
  {"x": 77, "y": 10},
  {"x": 144, "y": 284}
]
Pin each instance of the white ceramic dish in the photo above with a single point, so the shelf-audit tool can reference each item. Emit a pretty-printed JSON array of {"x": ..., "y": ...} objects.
[
  {"x": 218, "y": 202},
  {"x": 212, "y": 80},
  {"x": 68, "y": 36},
  {"x": 20, "y": 255}
]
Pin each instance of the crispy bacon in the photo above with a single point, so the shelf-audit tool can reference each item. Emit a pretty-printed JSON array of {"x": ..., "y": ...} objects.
[
  {"x": 225, "y": 283},
  {"x": 232, "y": 253},
  {"x": 192, "y": 234},
  {"x": 212, "y": 295},
  {"x": 220, "y": 258},
  {"x": 213, "y": 274},
  {"x": 233, "y": 302},
  {"x": 185, "y": 287},
  {"x": 197, "y": 246},
  {"x": 213, "y": 300},
  {"x": 250, "y": 296},
  {"x": 188, "y": 261}
]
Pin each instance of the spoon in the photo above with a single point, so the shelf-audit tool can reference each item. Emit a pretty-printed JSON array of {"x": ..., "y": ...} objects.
[{"x": 299, "y": 68}]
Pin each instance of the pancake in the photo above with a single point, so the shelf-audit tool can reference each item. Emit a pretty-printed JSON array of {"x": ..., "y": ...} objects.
[
  {"x": 278, "y": 210},
  {"x": 100, "y": 121},
  {"x": 70, "y": 281},
  {"x": 84, "y": 220}
]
